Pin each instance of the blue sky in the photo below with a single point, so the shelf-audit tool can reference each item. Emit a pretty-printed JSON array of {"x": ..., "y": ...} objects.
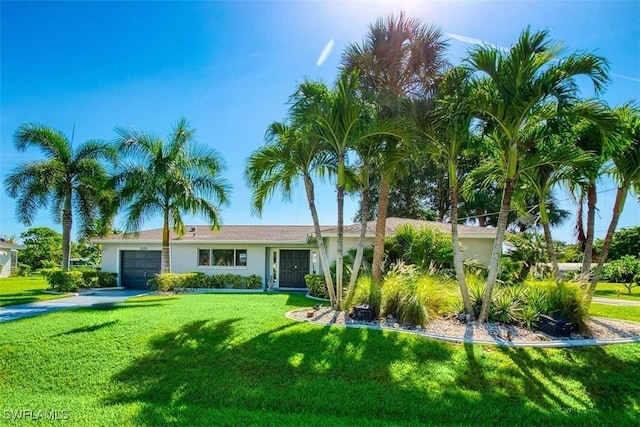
[{"x": 229, "y": 67}]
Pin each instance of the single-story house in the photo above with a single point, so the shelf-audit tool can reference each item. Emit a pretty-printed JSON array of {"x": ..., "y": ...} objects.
[
  {"x": 8, "y": 257},
  {"x": 280, "y": 254}
]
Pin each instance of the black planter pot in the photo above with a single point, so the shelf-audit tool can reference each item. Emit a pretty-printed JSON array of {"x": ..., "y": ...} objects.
[
  {"x": 555, "y": 326},
  {"x": 363, "y": 312}
]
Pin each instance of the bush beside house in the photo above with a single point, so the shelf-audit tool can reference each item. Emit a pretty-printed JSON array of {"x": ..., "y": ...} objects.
[{"x": 168, "y": 282}]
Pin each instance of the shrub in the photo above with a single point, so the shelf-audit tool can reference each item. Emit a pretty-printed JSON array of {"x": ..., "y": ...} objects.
[
  {"x": 107, "y": 280},
  {"x": 507, "y": 305},
  {"x": 316, "y": 285},
  {"x": 165, "y": 282},
  {"x": 254, "y": 282},
  {"x": 23, "y": 270},
  {"x": 89, "y": 278},
  {"x": 402, "y": 299},
  {"x": 567, "y": 302},
  {"x": 194, "y": 280},
  {"x": 365, "y": 292},
  {"x": 46, "y": 272},
  {"x": 426, "y": 248},
  {"x": 625, "y": 270},
  {"x": 65, "y": 281}
]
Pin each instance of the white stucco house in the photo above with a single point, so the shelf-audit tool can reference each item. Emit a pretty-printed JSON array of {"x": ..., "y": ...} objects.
[
  {"x": 280, "y": 254},
  {"x": 8, "y": 257}
]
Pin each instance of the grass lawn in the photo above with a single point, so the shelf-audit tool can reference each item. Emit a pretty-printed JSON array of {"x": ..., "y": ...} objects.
[
  {"x": 23, "y": 290},
  {"x": 615, "y": 312},
  {"x": 235, "y": 360},
  {"x": 608, "y": 290}
]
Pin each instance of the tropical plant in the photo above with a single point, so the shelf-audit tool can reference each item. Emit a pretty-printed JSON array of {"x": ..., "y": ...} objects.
[
  {"x": 343, "y": 120},
  {"x": 512, "y": 92},
  {"x": 627, "y": 173},
  {"x": 292, "y": 153},
  {"x": 399, "y": 57},
  {"x": 625, "y": 270},
  {"x": 447, "y": 130},
  {"x": 69, "y": 179},
  {"x": 425, "y": 248},
  {"x": 169, "y": 178},
  {"x": 625, "y": 241}
]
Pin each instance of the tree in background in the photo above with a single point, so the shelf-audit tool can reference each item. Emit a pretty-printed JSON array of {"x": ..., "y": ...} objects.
[
  {"x": 69, "y": 179},
  {"x": 169, "y": 178},
  {"x": 43, "y": 248},
  {"x": 625, "y": 241}
]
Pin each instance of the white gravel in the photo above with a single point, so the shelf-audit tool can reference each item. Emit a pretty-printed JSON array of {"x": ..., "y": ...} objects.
[{"x": 601, "y": 330}]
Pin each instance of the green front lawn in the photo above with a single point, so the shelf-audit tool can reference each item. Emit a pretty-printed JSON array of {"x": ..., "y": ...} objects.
[
  {"x": 615, "y": 312},
  {"x": 23, "y": 290},
  {"x": 235, "y": 360},
  {"x": 617, "y": 291}
]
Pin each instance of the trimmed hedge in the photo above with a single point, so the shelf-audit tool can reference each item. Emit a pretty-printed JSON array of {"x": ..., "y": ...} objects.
[
  {"x": 316, "y": 285},
  {"x": 167, "y": 282},
  {"x": 72, "y": 280}
]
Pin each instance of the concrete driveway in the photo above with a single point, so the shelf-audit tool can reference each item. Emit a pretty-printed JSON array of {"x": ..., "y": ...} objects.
[{"x": 87, "y": 298}]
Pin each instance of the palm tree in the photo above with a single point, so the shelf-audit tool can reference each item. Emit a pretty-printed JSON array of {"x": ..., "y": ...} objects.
[
  {"x": 447, "y": 128},
  {"x": 291, "y": 154},
  {"x": 169, "y": 178},
  {"x": 512, "y": 90},
  {"x": 342, "y": 120},
  {"x": 399, "y": 57},
  {"x": 70, "y": 179},
  {"x": 627, "y": 172}
]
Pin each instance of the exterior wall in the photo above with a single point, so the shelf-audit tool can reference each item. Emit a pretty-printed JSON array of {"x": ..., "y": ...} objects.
[
  {"x": 480, "y": 249},
  {"x": 5, "y": 261},
  {"x": 348, "y": 243}
]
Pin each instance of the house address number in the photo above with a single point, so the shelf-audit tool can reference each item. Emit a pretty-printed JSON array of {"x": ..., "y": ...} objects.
[{"x": 143, "y": 248}]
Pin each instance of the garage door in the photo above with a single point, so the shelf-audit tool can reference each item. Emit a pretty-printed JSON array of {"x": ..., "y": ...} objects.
[{"x": 136, "y": 267}]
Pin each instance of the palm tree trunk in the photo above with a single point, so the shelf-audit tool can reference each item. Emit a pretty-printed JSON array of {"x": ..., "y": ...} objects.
[
  {"x": 457, "y": 256},
  {"x": 621, "y": 197},
  {"x": 592, "y": 198},
  {"x": 166, "y": 250},
  {"x": 381, "y": 224},
  {"x": 364, "y": 207},
  {"x": 494, "y": 264},
  {"x": 340, "y": 249},
  {"x": 544, "y": 220},
  {"x": 67, "y": 222},
  {"x": 322, "y": 251}
]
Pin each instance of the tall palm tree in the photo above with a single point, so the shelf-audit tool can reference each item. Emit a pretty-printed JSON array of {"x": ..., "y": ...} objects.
[
  {"x": 70, "y": 179},
  {"x": 169, "y": 178},
  {"x": 399, "y": 57},
  {"x": 447, "y": 128},
  {"x": 291, "y": 154},
  {"x": 513, "y": 88},
  {"x": 627, "y": 172},
  {"x": 342, "y": 120}
]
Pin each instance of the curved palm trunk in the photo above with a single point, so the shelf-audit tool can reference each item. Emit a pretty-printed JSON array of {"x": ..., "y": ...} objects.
[
  {"x": 364, "y": 207},
  {"x": 457, "y": 256},
  {"x": 381, "y": 225},
  {"x": 67, "y": 222},
  {"x": 544, "y": 220},
  {"x": 621, "y": 197},
  {"x": 592, "y": 198},
  {"x": 166, "y": 250},
  {"x": 322, "y": 251},
  {"x": 494, "y": 264}
]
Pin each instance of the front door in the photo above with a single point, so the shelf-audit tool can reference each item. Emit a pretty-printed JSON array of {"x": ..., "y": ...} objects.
[
  {"x": 136, "y": 267},
  {"x": 294, "y": 264}
]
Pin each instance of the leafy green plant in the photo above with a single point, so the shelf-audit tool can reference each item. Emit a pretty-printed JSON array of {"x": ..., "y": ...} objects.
[
  {"x": 365, "y": 292},
  {"x": 426, "y": 248},
  {"x": 23, "y": 270},
  {"x": 316, "y": 285},
  {"x": 567, "y": 302},
  {"x": 195, "y": 280},
  {"x": 65, "y": 281},
  {"x": 165, "y": 282},
  {"x": 506, "y": 307},
  {"x": 107, "y": 279},
  {"x": 625, "y": 270}
]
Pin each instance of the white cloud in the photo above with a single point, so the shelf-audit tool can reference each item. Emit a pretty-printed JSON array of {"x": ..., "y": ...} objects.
[
  {"x": 471, "y": 40},
  {"x": 633, "y": 79},
  {"x": 325, "y": 53}
]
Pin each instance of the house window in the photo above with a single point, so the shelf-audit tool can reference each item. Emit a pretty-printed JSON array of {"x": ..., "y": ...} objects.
[{"x": 222, "y": 257}]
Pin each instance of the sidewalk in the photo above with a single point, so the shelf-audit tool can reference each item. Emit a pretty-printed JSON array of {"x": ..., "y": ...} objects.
[
  {"x": 88, "y": 298},
  {"x": 616, "y": 301}
]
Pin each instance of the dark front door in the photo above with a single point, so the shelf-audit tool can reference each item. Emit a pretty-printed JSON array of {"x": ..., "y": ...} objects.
[
  {"x": 136, "y": 267},
  {"x": 293, "y": 266}
]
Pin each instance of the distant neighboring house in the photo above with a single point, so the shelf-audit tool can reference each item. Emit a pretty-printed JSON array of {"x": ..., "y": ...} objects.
[
  {"x": 8, "y": 257},
  {"x": 280, "y": 254}
]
